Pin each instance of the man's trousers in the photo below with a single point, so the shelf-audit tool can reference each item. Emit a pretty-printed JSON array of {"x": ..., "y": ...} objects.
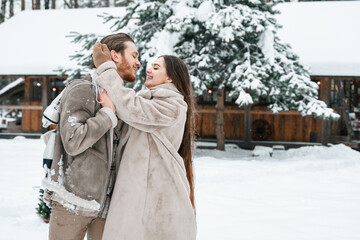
[{"x": 65, "y": 225}]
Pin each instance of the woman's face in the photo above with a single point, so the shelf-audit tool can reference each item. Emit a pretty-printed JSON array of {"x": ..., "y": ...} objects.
[{"x": 156, "y": 74}]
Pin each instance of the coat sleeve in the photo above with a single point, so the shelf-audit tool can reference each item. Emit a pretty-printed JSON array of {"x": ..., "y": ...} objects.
[
  {"x": 137, "y": 111},
  {"x": 79, "y": 128}
]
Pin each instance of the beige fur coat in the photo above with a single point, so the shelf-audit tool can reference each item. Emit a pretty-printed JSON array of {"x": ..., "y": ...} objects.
[{"x": 151, "y": 196}]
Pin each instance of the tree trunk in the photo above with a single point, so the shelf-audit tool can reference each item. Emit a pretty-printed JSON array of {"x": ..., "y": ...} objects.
[
  {"x": 2, "y": 12},
  {"x": 247, "y": 125},
  {"x": 11, "y": 8},
  {"x": 22, "y": 5},
  {"x": 53, "y": 4},
  {"x": 325, "y": 125},
  {"x": 220, "y": 137}
]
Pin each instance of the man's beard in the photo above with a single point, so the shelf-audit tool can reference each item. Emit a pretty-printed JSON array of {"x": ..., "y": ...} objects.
[{"x": 126, "y": 71}]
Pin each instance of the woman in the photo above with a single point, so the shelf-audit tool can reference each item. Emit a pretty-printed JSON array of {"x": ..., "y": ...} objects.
[{"x": 153, "y": 196}]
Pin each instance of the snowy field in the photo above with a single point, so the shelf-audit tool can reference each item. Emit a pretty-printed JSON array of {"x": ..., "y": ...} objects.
[{"x": 310, "y": 193}]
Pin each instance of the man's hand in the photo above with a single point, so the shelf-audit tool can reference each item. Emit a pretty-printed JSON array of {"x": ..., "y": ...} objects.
[{"x": 101, "y": 54}]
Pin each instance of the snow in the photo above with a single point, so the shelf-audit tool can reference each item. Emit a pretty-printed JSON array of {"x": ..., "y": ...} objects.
[
  {"x": 11, "y": 85},
  {"x": 244, "y": 99},
  {"x": 73, "y": 121},
  {"x": 324, "y": 35},
  {"x": 306, "y": 193},
  {"x": 163, "y": 42},
  {"x": 262, "y": 151},
  {"x": 205, "y": 10},
  {"x": 42, "y": 40},
  {"x": 266, "y": 43}
]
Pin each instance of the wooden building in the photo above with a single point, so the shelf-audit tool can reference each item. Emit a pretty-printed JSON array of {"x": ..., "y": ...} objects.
[
  {"x": 323, "y": 36},
  {"x": 31, "y": 96},
  {"x": 340, "y": 93},
  {"x": 34, "y": 45}
]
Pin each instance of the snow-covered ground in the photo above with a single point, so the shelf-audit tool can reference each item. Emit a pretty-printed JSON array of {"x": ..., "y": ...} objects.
[{"x": 309, "y": 193}]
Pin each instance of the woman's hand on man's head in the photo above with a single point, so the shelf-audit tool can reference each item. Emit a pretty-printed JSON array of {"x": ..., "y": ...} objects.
[{"x": 101, "y": 54}]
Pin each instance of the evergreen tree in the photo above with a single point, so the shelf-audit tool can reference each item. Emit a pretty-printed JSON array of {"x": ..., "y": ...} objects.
[
  {"x": 234, "y": 45},
  {"x": 43, "y": 210},
  {"x": 226, "y": 44},
  {"x": 143, "y": 21},
  {"x": 83, "y": 56}
]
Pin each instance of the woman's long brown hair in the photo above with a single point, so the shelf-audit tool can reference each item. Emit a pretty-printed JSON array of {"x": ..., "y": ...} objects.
[{"x": 177, "y": 70}]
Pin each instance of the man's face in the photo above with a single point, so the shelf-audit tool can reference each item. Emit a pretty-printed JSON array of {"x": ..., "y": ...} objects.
[{"x": 129, "y": 62}]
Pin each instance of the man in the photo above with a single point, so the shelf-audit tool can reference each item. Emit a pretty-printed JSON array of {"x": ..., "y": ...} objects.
[{"x": 80, "y": 182}]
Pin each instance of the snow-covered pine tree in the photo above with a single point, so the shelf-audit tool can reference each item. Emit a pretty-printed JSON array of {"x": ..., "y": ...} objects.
[
  {"x": 143, "y": 21},
  {"x": 226, "y": 44},
  {"x": 234, "y": 44},
  {"x": 83, "y": 56}
]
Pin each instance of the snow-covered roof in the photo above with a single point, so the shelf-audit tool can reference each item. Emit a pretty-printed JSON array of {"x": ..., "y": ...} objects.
[
  {"x": 11, "y": 85},
  {"x": 35, "y": 42},
  {"x": 324, "y": 34}
]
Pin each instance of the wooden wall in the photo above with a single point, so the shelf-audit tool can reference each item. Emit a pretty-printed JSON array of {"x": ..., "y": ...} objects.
[
  {"x": 31, "y": 119},
  {"x": 286, "y": 126},
  {"x": 39, "y": 98}
]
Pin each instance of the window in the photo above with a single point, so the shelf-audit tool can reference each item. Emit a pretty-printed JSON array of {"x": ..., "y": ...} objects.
[
  {"x": 210, "y": 97},
  {"x": 55, "y": 88},
  {"x": 36, "y": 85}
]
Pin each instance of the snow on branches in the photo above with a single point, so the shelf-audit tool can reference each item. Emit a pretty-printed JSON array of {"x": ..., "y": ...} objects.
[{"x": 226, "y": 44}]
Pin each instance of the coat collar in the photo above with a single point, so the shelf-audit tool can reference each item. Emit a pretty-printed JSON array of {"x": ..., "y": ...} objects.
[{"x": 162, "y": 90}]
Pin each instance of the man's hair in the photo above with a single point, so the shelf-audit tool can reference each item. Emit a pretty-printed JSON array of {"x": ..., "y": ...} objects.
[{"x": 115, "y": 42}]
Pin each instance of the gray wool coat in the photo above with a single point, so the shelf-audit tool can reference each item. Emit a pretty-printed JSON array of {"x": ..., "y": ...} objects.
[{"x": 151, "y": 195}]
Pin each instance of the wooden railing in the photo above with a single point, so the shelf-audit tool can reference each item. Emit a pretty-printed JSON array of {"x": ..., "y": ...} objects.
[
  {"x": 240, "y": 111},
  {"x": 21, "y": 107}
]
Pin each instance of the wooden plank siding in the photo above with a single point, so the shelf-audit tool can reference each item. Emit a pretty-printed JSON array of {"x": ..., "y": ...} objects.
[
  {"x": 286, "y": 126},
  {"x": 34, "y": 102},
  {"x": 31, "y": 119}
]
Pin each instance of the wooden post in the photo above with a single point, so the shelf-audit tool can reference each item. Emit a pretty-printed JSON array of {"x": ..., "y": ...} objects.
[
  {"x": 220, "y": 136},
  {"x": 345, "y": 110},
  {"x": 28, "y": 89},
  {"x": 44, "y": 92},
  {"x": 35, "y": 4},
  {"x": 247, "y": 125},
  {"x": 325, "y": 124},
  {"x": 356, "y": 95}
]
